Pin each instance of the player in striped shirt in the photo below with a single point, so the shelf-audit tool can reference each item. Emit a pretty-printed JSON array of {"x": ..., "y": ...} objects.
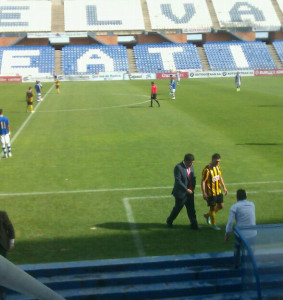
[
  {"x": 29, "y": 99},
  {"x": 211, "y": 184}
]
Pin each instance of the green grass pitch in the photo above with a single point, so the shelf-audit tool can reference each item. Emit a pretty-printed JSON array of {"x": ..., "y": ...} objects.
[{"x": 92, "y": 169}]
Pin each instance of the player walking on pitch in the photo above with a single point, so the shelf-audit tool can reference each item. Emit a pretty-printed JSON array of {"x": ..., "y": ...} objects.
[
  {"x": 29, "y": 99},
  {"x": 238, "y": 80},
  {"x": 210, "y": 186},
  {"x": 5, "y": 135},
  {"x": 153, "y": 94}
]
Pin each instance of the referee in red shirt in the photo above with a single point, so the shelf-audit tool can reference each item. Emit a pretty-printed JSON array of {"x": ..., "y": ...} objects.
[{"x": 153, "y": 94}]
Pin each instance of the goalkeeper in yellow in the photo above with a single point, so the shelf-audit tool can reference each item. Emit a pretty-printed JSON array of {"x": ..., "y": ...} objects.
[
  {"x": 57, "y": 85},
  {"x": 29, "y": 99},
  {"x": 211, "y": 190}
]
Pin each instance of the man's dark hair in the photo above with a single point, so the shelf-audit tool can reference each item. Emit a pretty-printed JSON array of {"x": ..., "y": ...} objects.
[
  {"x": 215, "y": 156},
  {"x": 189, "y": 157},
  {"x": 152, "y": 82},
  {"x": 1, "y": 111},
  {"x": 241, "y": 195}
]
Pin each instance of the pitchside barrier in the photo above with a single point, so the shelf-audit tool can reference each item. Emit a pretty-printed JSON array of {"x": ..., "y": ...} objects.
[
  {"x": 260, "y": 260},
  {"x": 105, "y": 76}
]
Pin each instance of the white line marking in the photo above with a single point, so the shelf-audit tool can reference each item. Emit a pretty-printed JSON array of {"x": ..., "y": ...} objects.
[
  {"x": 95, "y": 108},
  {"x": 133, "y": 227},
  {"x": 29, "y": 117},
  {"x": 132, "y": 222},
  {"x": 122, "y": 189},
  {"x": 86, "y": 191},
  {"x": 197, "y": 195}
]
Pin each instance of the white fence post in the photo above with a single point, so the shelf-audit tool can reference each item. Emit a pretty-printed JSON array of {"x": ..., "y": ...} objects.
[{"x": 18, "y": 280}]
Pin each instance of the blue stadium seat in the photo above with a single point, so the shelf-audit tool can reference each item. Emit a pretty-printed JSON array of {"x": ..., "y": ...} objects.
[
  {"x": 93, "y": 59},
  {"x": 278, "y": 45},
  {"x": 27, "y": 60},
  {"x": 238, "y": 56},
  {"x": 166, "y": 57}
]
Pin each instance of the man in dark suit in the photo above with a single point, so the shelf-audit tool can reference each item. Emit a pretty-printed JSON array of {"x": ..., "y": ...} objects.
[
  {"x": 7, "y": 239},
  {"x": 183, "y": 191}
]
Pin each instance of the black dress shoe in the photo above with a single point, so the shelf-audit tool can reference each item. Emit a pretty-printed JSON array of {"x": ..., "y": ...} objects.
[
  {"x": 170, "y": 225},
  {"x": 195, "y": 227}
]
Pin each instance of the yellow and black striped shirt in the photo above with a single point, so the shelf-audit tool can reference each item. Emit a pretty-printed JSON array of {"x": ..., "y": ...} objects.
[{"x": 211, "y": 176}]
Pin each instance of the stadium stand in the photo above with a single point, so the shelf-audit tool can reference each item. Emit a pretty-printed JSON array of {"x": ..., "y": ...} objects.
[
  {"x": 278, "y": 45},
  {"x": 92, "y": 15},
  {"x": 280, "y": 4},
  {"x": 27, "y": 60},
  {"x": 259, "y": 15},
  {"x": 25, "y": 16},
  {"x": 187, "y": 15},
  {"x": 79, "y": 60},
  {"x": 261, "y": 260},
  {"x": 206, "y": 276},
  {"x": 238, "y": 56},
  {"x": 194, "y": 277},
  {"x": 166, "y": 57}
]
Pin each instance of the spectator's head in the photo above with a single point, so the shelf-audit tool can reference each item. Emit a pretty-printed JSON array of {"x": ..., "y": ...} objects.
[{"x": 241, "y": 195}]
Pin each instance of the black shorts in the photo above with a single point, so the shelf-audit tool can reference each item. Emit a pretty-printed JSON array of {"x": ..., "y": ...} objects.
[
  {"x": 153, "y": 97},
  {"x": 213, "y": 200},
  {"x": 29, "y": 103}
]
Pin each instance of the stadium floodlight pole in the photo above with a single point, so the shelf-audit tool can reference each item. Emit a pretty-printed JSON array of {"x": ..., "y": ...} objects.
[{"x": 16, "y": 279}]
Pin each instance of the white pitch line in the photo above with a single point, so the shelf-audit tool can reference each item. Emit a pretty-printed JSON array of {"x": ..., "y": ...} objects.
[
  {"x": 120, "y": 189},
  {"x": 29, "y": 117},
  {"x": 95, "y": 108},
  {"x": 197, "y": 195},
  {"x": 133, "y": 227},
  {"x": 132, "y": 222},
  {"x": 86, "y": 191}
]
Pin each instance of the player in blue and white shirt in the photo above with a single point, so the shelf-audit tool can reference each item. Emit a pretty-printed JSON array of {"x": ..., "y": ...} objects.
[
  {"x": 5, "y": 135},
  {"x": 172, "y": 87},
  {"x": 38, "y": 88}
]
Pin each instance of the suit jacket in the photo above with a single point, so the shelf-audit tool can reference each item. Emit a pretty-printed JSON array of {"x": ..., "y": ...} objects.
[
  {"x": 6, "y": 230},
  {"x": 182, "y": 181}
]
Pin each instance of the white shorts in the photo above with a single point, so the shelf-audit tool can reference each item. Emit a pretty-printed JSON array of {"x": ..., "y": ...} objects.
[
  {"x": 173, "y": 90},
  {"x": 5, "y": 140}
]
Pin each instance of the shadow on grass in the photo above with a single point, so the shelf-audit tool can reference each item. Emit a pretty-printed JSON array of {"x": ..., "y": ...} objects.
[
  {"x": 260, "y": 144},
  {"x": 270, "y": 105},
  {"x": 116, "y": 240},
  {"x": 145, "y": 226}
]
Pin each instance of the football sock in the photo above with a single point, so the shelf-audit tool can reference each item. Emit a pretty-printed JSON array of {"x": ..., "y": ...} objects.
[
  {"x": 31, "y": 108},
  {"x": 212, "y": 217}
]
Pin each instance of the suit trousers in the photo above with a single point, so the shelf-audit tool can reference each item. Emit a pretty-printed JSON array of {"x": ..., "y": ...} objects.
[{"x": 189, "y": 202}]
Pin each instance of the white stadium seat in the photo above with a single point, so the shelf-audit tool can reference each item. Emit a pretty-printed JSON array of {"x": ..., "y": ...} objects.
[
  {"x": 260, "y": 15},
  {"x": 91, "y": 59},
  {"x": 27, "y": 60},
  {"x": 223, "y": 56},
  {"x": 187, "y": 15},
  {"x": 25, "y": 16},
  {"x": 96, "y": 15},
  {"x": 166, "y": 57}
]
